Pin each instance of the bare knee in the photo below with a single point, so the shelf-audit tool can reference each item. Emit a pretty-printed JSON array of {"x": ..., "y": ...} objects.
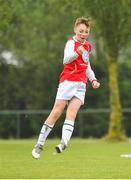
[
  {"x": 71, "y": 114},
  {"x": 73, "y": 107},
  {"x": 56, "y": 113}
]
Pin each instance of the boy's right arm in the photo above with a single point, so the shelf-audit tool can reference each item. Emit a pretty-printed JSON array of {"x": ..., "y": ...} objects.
[{"x": 69, "y": 53}]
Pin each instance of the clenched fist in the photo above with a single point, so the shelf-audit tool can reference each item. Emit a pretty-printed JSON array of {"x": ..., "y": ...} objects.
[{"x": 95, "y": 84}]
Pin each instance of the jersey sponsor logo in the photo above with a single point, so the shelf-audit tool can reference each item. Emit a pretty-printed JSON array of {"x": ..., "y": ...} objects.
[{"x": 85, "y": 56}]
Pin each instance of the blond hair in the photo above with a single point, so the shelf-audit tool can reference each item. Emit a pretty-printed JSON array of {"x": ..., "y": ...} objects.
[{"x": 82, "y": 20}]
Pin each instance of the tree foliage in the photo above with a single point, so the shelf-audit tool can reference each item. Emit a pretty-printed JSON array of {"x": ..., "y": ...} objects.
[
  {"x": 34, "y": 34},
  {"x": 114, "y": 25}
]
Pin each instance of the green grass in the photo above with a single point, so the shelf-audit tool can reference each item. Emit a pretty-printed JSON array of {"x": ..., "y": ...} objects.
[{"x": 85, "y": 159}]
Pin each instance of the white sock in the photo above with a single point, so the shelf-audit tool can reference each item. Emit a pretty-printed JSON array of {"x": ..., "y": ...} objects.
[
  {"x": 67, "y": 131},
  {"x": 45, "y": 130}
]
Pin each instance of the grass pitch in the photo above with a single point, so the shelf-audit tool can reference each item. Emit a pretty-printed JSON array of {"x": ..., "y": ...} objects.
[{"x": 85, "y": 159}]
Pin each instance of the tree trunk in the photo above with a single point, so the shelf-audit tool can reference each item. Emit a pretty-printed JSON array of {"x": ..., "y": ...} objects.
[{"x": 116, "y": 131}]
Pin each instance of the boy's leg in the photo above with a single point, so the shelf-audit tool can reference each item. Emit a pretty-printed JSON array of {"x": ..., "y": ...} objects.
[
  {"x": 45, "y": 130},
  {"x": 67, "y": 131},
  {"x": 68, "y": 125},
  {"x": 47, "y": 127}
]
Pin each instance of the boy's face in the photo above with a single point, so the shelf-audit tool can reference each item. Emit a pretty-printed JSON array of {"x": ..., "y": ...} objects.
[{"x": 82, "y": 32}]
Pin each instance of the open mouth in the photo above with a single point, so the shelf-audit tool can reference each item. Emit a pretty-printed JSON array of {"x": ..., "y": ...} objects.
[{"x": 82, "y": 39}]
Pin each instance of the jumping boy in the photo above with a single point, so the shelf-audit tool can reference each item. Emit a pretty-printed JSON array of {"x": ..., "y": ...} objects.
[{"x": 72, "y": 87}]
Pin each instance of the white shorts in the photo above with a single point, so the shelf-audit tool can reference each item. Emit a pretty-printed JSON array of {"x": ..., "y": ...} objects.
[{"x": 68, "y": 89}]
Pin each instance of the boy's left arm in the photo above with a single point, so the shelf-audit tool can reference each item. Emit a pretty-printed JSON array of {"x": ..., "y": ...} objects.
[{"x": 92, "y": 78}]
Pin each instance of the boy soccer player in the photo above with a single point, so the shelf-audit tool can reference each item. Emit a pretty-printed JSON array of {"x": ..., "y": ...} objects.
[{"x": 72, "y": 87}]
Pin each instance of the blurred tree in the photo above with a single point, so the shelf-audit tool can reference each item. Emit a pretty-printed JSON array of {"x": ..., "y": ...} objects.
[
  {"x": 34, "y": 33},
  {"x": 114, "y": 21}
]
